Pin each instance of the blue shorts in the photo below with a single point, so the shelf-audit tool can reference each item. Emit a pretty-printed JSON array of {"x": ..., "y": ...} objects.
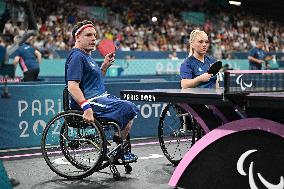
[{"x": 115, "y": 109}]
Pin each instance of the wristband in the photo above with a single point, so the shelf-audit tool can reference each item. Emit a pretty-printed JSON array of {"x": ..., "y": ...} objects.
[{"x": 85, "y": 105}]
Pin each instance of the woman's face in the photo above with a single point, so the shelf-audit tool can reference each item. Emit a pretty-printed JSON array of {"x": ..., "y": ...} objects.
[{"x": 200, "y": 43}]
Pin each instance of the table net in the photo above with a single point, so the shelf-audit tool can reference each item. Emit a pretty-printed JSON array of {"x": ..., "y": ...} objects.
[{"x": 247, "y": 81}]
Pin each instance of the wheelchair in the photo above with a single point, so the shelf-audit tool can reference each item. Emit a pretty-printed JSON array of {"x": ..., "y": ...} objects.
[
  {"x": 177, "y": 132},
  {"x": 74, "y": 149}
]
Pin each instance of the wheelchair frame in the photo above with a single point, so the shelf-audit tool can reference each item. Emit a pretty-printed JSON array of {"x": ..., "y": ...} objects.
[
  {"x": 177, "y": 132},
  {"x": 81, "y": 148}
]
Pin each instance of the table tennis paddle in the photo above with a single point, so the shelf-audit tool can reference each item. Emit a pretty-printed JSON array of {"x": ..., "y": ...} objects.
[
  {"x": 215, "y": 67},
  {"x": 106, "y": 46}
]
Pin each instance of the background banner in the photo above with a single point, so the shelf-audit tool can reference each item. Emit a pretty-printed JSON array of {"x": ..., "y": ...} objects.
[{"x": 25, "y": 114}]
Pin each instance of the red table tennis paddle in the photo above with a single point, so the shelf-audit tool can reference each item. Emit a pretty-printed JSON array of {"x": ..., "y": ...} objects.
[
  {"x": 106, "y": 46},
  {"x": 215, "y": 68}
]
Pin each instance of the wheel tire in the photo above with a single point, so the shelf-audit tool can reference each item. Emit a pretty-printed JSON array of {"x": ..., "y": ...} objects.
[
  {"x": 128, "y": 169},
  {"x": 86, "y": 171},
  {"x": 178, "y": 117},
  {"x": 116, "y": 176}
]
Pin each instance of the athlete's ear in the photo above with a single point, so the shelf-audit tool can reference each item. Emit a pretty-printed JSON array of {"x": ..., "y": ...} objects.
[{"x": 77, "y": 38}]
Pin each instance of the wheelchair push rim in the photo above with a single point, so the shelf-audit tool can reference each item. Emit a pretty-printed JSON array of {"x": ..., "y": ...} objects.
[
  {"x": 72, "y": 148},
  {"x": 177, "y": 132}
]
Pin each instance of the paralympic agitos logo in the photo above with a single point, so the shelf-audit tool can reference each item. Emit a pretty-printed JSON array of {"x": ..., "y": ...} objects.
[
  {"x": 252, "y": 183},
  {"x": 243, "y": 154},
  {"x": 242, "y": 83}
]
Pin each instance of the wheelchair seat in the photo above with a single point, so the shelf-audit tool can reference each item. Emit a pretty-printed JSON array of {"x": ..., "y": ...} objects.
[{"x": 66, "y": 107}]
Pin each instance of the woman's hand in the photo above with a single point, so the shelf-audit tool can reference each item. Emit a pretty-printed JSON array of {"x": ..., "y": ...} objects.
[
  {"x": 191, "y": 83},
  {"x": 204, "y": 77}
]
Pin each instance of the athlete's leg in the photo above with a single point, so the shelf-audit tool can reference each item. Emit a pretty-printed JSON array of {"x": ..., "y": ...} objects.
[{"x": 126, "y": 130}]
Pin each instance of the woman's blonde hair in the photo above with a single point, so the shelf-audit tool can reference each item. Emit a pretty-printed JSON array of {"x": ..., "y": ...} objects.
[{"x": 192, "y": 36}]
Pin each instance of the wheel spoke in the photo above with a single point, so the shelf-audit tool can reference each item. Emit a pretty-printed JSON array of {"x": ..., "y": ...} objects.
[
  {"x": 177, "y": 132},
  {"x": 72, "y": 148}
]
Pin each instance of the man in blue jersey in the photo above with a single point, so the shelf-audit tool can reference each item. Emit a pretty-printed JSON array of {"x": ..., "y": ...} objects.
[
  {"x": 2, "y": 51},
  {"x": 29, "y": 59},
  {"x": 257, "y": 56},
  {"x": 85, "y": 80}
]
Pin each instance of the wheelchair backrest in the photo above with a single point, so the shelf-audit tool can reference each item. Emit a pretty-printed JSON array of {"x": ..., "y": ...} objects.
[
  {"x": 71, "y": 120},
  {"x": 66, "y": 99}
]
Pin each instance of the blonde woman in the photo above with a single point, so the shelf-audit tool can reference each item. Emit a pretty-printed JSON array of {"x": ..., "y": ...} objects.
[
  {"x": 193, "y": 70},
  {"x": 193, "y": 73}
]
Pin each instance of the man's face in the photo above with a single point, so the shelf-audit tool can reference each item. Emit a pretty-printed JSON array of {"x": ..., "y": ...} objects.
[
  {"x": 260, "y": 44},
  {"x": 87, "y": 39}
]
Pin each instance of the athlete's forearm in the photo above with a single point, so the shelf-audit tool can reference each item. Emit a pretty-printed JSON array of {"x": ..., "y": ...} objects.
[
  {"x": 75, "y": 91},
  {"x": 16, "y": 61},
  {"x": 189, "y": 83},
  {"x": 39, "y": 57},
  {"x": 255, "y": 60}
]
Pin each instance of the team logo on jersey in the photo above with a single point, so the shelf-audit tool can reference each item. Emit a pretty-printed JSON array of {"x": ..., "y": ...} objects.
[
  {"x": 92, "y": 64},
  {"x": 199, "y": 69}
]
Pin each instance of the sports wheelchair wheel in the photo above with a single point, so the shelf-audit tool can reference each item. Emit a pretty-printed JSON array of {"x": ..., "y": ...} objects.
[
  {"x": 177, "y": 132},
  {"x": 72, "y": 148}
]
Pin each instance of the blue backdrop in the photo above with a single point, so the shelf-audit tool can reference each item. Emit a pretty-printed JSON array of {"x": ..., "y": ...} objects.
[{"x": 25, "y": 114}]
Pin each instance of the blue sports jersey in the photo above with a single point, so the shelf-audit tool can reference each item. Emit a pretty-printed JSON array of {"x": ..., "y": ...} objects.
[
  {"x": 192, "y": 67},
  {"x": 28, "y": 60},
  {"x": 258, "y": 54},
  {"x": 82, "y": 67},
  {"x": 2, "y": 54}
]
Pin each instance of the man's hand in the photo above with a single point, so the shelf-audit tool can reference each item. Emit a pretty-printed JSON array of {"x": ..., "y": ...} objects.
[
  {"x": 108, "y": 61},
  {"x": 110, "y": 58},
  {"x": 88, "y": 116}
]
